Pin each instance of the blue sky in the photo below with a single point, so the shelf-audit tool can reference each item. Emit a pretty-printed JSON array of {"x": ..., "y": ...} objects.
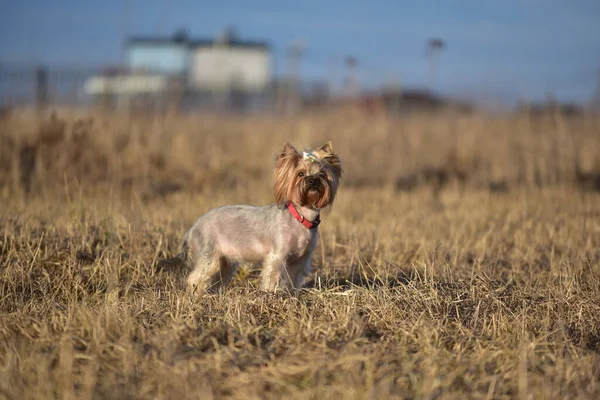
[{"x": 495, "y": 48}]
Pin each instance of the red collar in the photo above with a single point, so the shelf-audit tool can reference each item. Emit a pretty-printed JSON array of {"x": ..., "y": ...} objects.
[{"x": 300, "y": 218}]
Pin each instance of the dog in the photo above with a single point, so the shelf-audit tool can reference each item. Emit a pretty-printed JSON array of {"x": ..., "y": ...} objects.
[{"x": 282, "y": 236}]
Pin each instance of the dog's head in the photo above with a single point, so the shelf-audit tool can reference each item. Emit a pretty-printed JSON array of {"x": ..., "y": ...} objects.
[{"x": 310, "y": 178}]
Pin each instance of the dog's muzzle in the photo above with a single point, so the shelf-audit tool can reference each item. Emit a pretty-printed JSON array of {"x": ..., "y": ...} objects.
[{"x": 313, "y": 183}]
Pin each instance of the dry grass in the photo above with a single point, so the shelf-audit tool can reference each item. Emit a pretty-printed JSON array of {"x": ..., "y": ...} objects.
[{"x": 477, "y": 295}]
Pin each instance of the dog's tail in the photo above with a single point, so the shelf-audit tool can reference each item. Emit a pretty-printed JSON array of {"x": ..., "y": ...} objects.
[{"x": 180, "y": 261}]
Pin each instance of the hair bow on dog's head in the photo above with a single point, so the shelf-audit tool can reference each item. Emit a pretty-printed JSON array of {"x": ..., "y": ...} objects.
[{"x": 309, "y": 156}]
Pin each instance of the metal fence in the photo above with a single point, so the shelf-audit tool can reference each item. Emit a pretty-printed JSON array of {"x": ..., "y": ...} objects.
[
  {"x": 40, "y": 86},
  {"x": 28, "y": 85},
  {"x": 112, "y": 89}
]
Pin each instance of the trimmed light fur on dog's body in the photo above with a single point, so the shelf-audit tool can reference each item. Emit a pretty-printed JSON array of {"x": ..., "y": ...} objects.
[{"x": 226, "y": 236}]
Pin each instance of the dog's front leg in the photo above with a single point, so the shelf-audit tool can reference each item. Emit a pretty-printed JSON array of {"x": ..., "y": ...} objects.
[{"x": 272, "y": 273}]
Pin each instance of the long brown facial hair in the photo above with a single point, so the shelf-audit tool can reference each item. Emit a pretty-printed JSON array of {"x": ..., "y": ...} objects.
[{"x": 292, "y": 175}]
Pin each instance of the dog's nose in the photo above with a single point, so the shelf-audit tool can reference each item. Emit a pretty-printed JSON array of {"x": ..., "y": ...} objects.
[{"x": 311, "y": 181}]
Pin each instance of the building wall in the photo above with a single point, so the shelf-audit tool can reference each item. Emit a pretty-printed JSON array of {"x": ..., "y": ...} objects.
[
  {"x": 164, "y": 58},
  {"x": 215, "y": 68}
]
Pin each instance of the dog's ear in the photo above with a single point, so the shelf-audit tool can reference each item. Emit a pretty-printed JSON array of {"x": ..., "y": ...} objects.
[
  {"x": 288, "y": 153},
  {"x": 327, "y": 148},
  {"x": 326, "y": 154},
  {"x": 288, "y": 149},
  {"x": 285, "y": 163}
]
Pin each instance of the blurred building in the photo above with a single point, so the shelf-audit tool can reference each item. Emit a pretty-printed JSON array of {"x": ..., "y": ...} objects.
[
  {"x": 159, "y": 55},
  {"x": 228, "y": 62},
  {"x": 225, "y": 72}
]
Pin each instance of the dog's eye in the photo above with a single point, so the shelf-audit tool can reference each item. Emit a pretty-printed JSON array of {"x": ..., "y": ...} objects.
[{"x": 300, "y": 174}]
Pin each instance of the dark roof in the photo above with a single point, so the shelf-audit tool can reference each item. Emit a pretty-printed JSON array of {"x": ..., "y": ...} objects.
[{"x": 195, "y": 43}]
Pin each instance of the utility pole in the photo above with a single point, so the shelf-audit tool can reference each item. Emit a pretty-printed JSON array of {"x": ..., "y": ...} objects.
[
  {"x": 394, "y": 92},
  {"x": 595, "y": 103},
  {"x": 352, "y": 84},
  {"x": 332, "y": 75},
  {"x": 432, "y": 52},
  {"x": 163, "y": 20},
  {"x": 126, "y": 17},
  {"x": 294, "y": 60}
]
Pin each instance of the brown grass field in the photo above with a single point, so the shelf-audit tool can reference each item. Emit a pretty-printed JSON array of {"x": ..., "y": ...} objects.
[{"x": 472, "y": 293}]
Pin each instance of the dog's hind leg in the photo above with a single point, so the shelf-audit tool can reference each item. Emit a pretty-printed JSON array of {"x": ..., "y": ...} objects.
[
  {"x": 204, "y": 268},
  {"x": 222, "y": 278},
  {"x": 212, "y": 273}
]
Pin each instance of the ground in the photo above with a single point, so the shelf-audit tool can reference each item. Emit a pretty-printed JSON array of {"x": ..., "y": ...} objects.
[{"x": 470, "y": 294}]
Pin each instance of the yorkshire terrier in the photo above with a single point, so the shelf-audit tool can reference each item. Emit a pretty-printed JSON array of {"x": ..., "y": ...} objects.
[{"x": 282, "y": 236}]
